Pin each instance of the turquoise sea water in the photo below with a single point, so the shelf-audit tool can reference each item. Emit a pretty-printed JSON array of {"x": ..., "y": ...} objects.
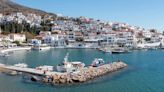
[{"x": 145, "y": 72}]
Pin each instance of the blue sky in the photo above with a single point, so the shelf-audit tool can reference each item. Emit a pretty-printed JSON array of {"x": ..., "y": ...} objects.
[{"x": 144, "y": 13}]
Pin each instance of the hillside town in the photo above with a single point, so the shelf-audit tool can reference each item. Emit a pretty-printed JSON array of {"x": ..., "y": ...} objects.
[{"x": 82, "y": 32}]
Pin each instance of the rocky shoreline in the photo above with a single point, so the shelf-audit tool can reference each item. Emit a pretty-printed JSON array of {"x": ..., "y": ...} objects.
[{"x": 85, "y": 74}]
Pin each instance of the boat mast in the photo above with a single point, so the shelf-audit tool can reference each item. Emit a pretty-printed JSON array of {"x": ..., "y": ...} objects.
[{"x": 66, "y": 57}]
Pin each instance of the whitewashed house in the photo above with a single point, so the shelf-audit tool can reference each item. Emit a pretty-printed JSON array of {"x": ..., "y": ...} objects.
[
  {"x": 108, "y": 39},
  {"x": 59, "y": 41},
  {"x": 91, "y": 43},
  {"x": 55, "y": 40},
  {"x": 17, "y": 37},
  {"x": 1, "y": 17},
  {"x": 48, "y": 39},
  {"x": 128, "y": 36},
  {"x": 91, "y": 40},
  {"x": 33, "y": 19},
  {"x": 5, "y": 41},
  {"x": 123, "y": 39},
  {"x": 147, "y": 34},
  {"x": 71, "y": 36}
]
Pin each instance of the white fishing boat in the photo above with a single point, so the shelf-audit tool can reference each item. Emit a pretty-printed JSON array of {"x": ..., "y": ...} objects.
[
  {"x": 45, "y": 68},
  {"x": 40, "y": 48},
  {"x": 119, "y": 50},
  {"x": 22, "y": 65},
  {"x": 67, "y": 66},
  {"x": 97, "y": 62},
  {"x": 106, "y": 50}
]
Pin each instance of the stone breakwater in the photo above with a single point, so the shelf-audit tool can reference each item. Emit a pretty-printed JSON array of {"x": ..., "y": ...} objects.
[{"x": 84, "y": 74}]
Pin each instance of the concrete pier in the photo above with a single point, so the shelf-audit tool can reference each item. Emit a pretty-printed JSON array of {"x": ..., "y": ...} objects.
[{"x": 5, "y": 68}]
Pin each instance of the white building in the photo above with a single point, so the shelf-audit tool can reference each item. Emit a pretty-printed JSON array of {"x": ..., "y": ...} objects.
[
  {"x": 123, "y": 39},
  {"x": 108, "y": 39},
  {"x": 5, "y": 41},
  {"x": 48, "y": 39},
  {"x": 17, "y": 37},
  {"x": 33, "y": 19},
  {"x": 59, "y": 41},
  {"x": 1, "y": 17},
  {"x": 56, "y": 40},
  {"x": 91, "y": 43},
  {"x": 147, "y": 34},
  {"x": 71, "y": 35}
]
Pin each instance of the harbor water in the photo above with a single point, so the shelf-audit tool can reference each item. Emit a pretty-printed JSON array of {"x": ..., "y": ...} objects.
[{"x": 144, "y": 73}]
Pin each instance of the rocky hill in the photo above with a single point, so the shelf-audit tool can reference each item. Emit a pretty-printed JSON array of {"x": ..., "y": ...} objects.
[{"x": 8, "y": 6}]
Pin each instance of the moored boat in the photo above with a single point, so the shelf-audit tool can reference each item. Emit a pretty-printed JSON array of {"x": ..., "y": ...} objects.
[
  {"x": 67, "y": 66},
  {"x": 97, "y": 62},
  {"x": 45, "y": 68},
  {"x": 22, "y": 65},
  {"x": 119, "y": 50},
  {"x": 106, "y": 50},
  {"x": 40, "y": 48}
]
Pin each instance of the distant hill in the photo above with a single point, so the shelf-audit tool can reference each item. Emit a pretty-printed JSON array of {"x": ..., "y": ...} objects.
[{"x": 8, "y": 6}]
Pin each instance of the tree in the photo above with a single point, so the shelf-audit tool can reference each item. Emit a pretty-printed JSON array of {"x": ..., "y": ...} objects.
[
  {"x": 147, "y": 39},
  {"x": 13, "y": 27},
  {"x": 29, "y": 35},
  {"x": 153, "y": 30},
  {"x": 17, "y": 42}
]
